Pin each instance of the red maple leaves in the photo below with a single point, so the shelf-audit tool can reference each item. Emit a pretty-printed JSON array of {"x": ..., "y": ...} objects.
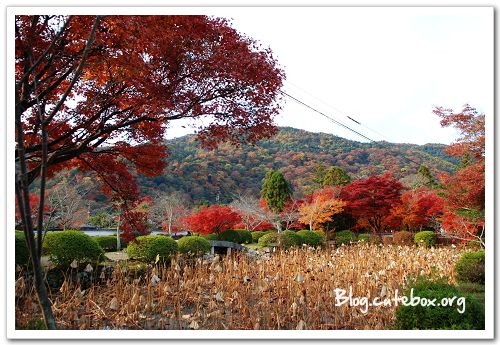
[
  {"x": 370, "y": 200},
  {"x": 106, "y": 89},
  {"x": 212, "y": 219}
]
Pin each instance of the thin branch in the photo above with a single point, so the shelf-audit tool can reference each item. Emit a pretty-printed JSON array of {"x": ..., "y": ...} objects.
[{"x": 78, "y": 70}]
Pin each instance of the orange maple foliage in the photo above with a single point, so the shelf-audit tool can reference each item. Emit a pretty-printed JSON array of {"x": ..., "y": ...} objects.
[
  {"x": 320, "y": 208},
  {"x": 419, "y": 208}
]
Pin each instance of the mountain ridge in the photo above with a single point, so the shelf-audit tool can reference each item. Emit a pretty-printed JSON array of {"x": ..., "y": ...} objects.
[{"x": 218, "y": 175}]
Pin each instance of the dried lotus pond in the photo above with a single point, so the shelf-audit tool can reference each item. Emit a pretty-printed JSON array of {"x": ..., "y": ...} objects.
[{"x": 289, "y": 290}]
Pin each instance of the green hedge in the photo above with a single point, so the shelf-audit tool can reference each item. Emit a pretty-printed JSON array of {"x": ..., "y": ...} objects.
[
  {"x": 310, "y": 238},
  {"x": 344, "y": 237},
  {"x": 291, "y": 238},
  {"x": 65, "y": 246},
  {"x": 281, "y": 240},
  {"x": 426, "y": 238},
  {"x": 108, "y": 243},
  {"x": 245, "y": 236},
  {"x": 470, "y": 268},
  {"x": 230, "y": 236},
  {"x": 211, "y": 237},
  {"x": 440, "y": 317},
  {"x": 147, "y": 248},
  {"x": 364, "y": 237},
  {"x": 193, "y": 245},
  {"x": 322, "y": 236},
  {"x": 22, "y": 252},
  {"x": 256, "y": 235}
]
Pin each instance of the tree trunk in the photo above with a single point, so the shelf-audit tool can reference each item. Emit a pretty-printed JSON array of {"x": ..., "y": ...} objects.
[
  {"x": 279, "y": 226},
  {"x": 43, "y": 297}
]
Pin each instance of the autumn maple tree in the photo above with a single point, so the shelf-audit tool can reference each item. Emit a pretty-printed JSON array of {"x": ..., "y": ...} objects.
[
  {"x": 419, "y": 208},
  {"x": 320, "y": 207},
  {"x": 251, "y": 213},
  {"x": 371, "y": 200},
  {"x": 99, "y": 92},
  {"x": 464, "y": 191},
  {"x": 212, "y": 219},
  {"x": 167, "y": 209}
]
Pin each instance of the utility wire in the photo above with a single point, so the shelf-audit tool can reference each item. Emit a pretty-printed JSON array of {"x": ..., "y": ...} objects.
[
  {"x": 328, "y": 117},
  {"x": 337, "y": 110},
  {"x": 341, "y": 124}
]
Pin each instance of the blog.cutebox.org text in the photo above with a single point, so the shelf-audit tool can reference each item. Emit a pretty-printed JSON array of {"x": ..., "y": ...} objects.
[{"x": 343, "y": 297}]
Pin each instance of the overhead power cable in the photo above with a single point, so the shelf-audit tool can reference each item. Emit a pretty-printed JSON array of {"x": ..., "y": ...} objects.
[
  {"x": 337, "y": 110},
  {"x": 328, "y": 117},
  {"x": 340, "y": 123}
]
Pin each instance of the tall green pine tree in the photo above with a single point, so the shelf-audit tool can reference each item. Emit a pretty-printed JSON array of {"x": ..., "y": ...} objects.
[{"x": 276, "y": 190}]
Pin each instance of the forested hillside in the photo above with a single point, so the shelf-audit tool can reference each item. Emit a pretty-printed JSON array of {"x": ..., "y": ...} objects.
[{"x": 218, "y": 175}]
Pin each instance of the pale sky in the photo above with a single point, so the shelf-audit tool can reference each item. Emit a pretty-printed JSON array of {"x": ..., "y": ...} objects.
[{"x": 385, "y": 67}]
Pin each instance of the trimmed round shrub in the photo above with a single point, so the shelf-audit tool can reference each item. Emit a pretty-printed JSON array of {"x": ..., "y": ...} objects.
[
  {"x": 65, "y": 246},
  {"x": 245, "y": 236},
  {"x": 291, "y": 238},
  {"x": 211, "y": 237},
  {"x": 108, "y": 243},
  {"x": 344, "y": 237},
  {"x": 22, "y": 252},
  {"x": 426, "y": 238},
  {"x": 256, "y": 235},
  {"x": 403, "y": 238},
  {"x": 322, "y": 236},
  {"x": 146, "y": 248},
  {"x": 310, "y": 238},
  {"x": 193, "y": 245},
  {"x": 439, "y": 317},
  {"x": 470, "y": 268},
  {"x": 280, "y": 240},
  {"x": 230, "y": 236}
]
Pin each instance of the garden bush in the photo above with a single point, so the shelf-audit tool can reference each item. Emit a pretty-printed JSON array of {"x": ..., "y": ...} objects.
[
  {"x": 245, "y": 236},
  {"x": 65, "y": 246},
  {"x": 344, "y": 237},
  {"x": 322, "y": 236},
  {"x": 291, "y": 238},
  {"x": 470, "y": 268},
  {"x": 108, "y": 243},
  {"x": 403, "y": 238},
  {"x": 22, "y": 252},
  {"x": 281, "y": 240},
  {"x": 364, "y": 238},
  {"x": 439, "y": 317},
  {"x": 427, "y": 238},
  {"x": 211, "y": 237},
  {"x": 310, "y": 238},
  {"x": 193, "y": 245},
  {"x": 258, "y": 234},
  {"x": 230, "y": 236},
  {"x": 146, "y": 248}
]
